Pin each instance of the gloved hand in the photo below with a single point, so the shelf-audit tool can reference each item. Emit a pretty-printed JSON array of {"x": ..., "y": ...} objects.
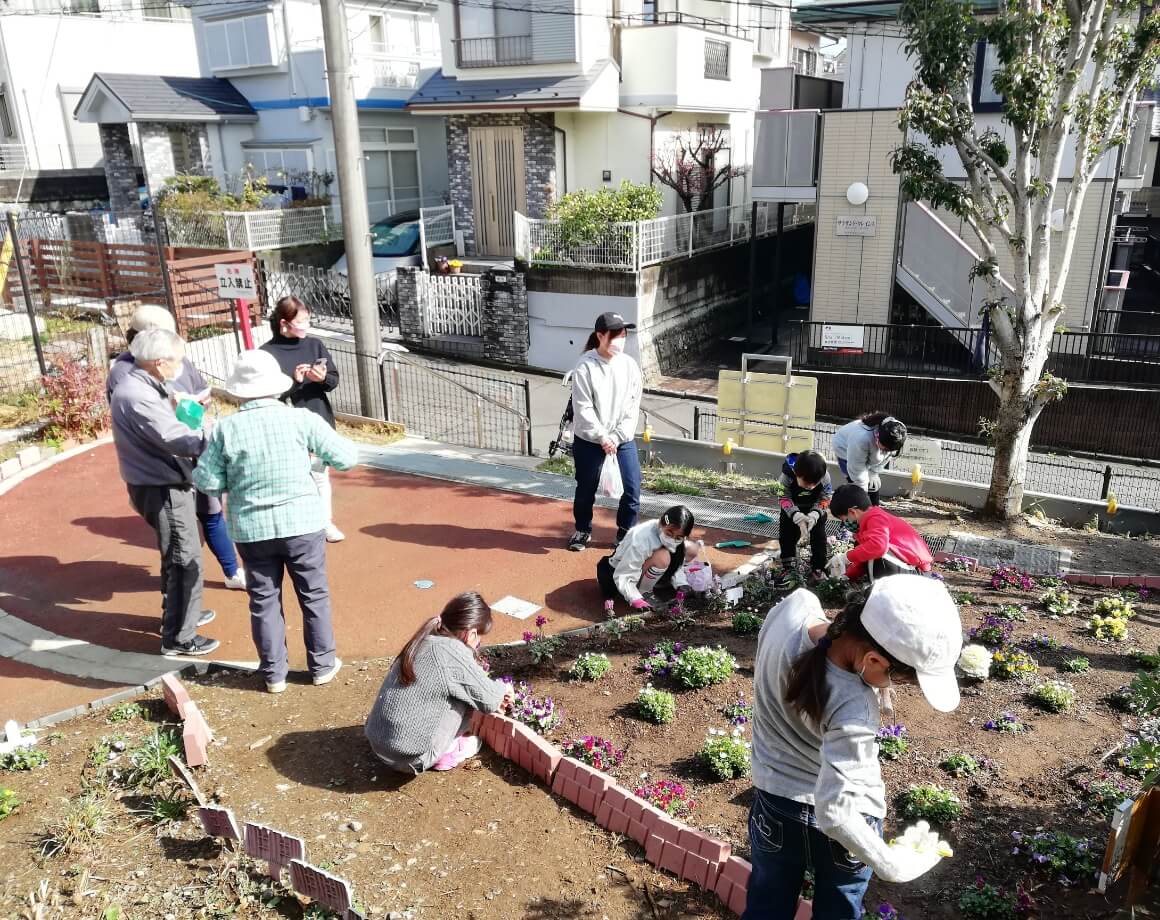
[
  {"x": 813, "y": 517},
  {"x": 640, "y": 604},
  {"x": 875, "y": 483},
  {"x": 802, "y": 523},
  {"x": 902, "y": 863},
  {"x": 837, "y": 566}
]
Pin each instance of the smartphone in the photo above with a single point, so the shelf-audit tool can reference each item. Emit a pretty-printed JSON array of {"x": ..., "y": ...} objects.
[{"x": 321, "y": 362}]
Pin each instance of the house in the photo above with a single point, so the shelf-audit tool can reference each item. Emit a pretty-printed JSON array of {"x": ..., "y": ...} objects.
[
  {"x": 879, "y": 259},
  {"x": 48, "y": 51},
  {"x": 580, "y": 94}
]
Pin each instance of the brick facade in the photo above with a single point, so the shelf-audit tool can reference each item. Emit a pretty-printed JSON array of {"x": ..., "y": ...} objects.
[
  {"x": 505, "y": 317},
  {"x": 169, "y": 150},
  {"x": 121, "y": 173},
  {"x": 539, "y": 165}
]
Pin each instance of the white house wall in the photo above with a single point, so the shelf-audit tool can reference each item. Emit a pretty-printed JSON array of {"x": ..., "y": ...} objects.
[{"x": 45, "y": 55}]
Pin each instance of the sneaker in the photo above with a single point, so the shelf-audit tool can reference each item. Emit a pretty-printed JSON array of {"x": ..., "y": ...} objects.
[
  {"x": 580, "y": 540},
  {"x": 465, "y": 747},
  {"x": 328, "y": 675},
  {"x": 198, "y": 645},
  {"x": 333, "y": 534},
  {"x": 237, "y": 581},
  {"x": 276, "y": 687},
  {"x": 207, "y": 617}
]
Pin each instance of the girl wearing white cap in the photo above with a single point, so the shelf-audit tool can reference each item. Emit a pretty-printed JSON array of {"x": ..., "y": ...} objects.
[{"x": 819, "y": 799}]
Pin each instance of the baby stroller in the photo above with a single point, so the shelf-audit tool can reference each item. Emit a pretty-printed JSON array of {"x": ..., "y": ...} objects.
[{"x": 563, "y": 441}]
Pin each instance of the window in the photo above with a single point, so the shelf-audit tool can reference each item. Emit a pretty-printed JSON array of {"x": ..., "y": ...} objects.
[
  {"x": 984, "y": 98},
  {"x": 241, "y": 42},
  {"x": 716, "y": 60},
  {"x": 766, "y": 28},
  {"x": 394, "y": 181},
  {"x": 6, "y": 127},
  {"x": 280, "y": 165},
  {"x": 806, "y": 61},
  {"x": 408, "y": 34}
]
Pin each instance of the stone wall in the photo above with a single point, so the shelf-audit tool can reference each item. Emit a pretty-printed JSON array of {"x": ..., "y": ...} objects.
[
  {"x": 169, "y": 149},
  {"x": 539, "y": 165},
  {"x": 121, "y": 173}
]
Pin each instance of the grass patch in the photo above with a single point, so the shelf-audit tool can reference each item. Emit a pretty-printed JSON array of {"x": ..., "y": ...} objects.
[
  {"x": 666, "y": 485},
  {"x": 150, "y": 759},
  {"x": 372, "y": 432},
  {"x": 680, "y": 480},
  {"x": 86, "y": 820},
  {"x": 561, "y": 466},
  {"x": 20, "y": 409}
]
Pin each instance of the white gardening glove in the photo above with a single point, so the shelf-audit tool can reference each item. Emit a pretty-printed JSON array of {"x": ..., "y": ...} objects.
[
  {"x": 837, "y": 566},
  {"x": 813, "y": 517},
  {"x": 902, "y": 863},
  {"x": 803, "y": 524},
  {"x": 875, "y": 483}
]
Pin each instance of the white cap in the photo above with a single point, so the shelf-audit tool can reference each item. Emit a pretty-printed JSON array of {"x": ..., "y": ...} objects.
[
  {"x": 914, "y": 618},
  {"x": 256, "y": 374}
]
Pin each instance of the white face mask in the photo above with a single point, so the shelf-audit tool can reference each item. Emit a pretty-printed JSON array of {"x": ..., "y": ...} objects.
[
  {"x": 616, "y": 346},
  {"x": 669, "y": 543}
]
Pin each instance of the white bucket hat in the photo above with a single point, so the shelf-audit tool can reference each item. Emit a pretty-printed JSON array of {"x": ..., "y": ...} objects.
[
  {"x": 914, "y": 618},
  {"x": 256, "y": 374}
]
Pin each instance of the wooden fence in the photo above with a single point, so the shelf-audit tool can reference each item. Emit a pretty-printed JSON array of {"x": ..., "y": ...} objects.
[{"x": 193, "y": 286}]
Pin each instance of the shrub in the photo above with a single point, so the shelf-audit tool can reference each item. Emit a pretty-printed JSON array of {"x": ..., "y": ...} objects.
[
  {"x": 739, "y": 712},
  {"x": 594, "y": 751},
  {"x": 975, "y": 662},
  {"x": 1058, "y": 603},
  {"x": 893, "y": 742},
  {"x": 930, "y": 802},
  {"x": 1104, "y": 794},
  {"x": 1069, "y": 859},
  {"x": 669, "y": 796},
  {"x": 726, "y": 754},
  {"x": 539, "y": 714},
  {"x": 86, "y": 819},
  {"x": 1054, "y": 696},
  {"x": 540, "y": 646},
  {"x": 585, "y": 215},
  {"x": 1012, "y": 664},
  {"x": 1108, "y": 629},
  {"x": 960, "y": 765},
  {"x": 992, "y": 632},
  {"x": 1114, "y": 607},
  {"x": 986, "y": 902},
  {"x": 8, "y": 802},
  {"x": 703, "y": 666},
  {"x": 1007, "y": 723},
  {"x": 830, "y": 590},
  {"x": 1007, "y": 576},
  {"x": 24, "y": 758},
  {"x": 1076, "y": 665},
  {"x": 74, "y": 400},
  {"x": 656, "y": 705},
  {"x": 746, "y": 622},
  {"x": 1013, "y": 612},
  {"x": 590, "y": 666}
]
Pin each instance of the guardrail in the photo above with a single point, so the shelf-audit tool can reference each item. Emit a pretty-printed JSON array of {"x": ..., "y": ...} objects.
[{"x": 493, "y": 51}]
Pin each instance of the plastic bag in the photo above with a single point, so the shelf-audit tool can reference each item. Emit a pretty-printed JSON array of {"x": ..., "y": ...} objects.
[
  {"x": 699, "y": 575},
  {"x": 611, "y": 485}
]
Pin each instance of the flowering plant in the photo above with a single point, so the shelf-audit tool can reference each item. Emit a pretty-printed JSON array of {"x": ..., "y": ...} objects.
[
  {"x": 1076, "y": 665},
  {"x": 703, "y": 666},
  {"x": 1140, "y": 758},
  {"x": 1104, "y": 794},
  {"x": 739, "y": 712},
  {"x": 1054, "y": 696},
  {"x": 1114, "y": 607},
  {"x": 1108, "y": 629},
  {"x": 1058, "y": 603},
  {"x": 993, "y": 632},
  {"x": 656, "y": 705},
  {"x": 726, "y": 754},
  {"x": 1007, "y": 723},
  {"x": 590, "y": 666},
  {"x": 893, "y": 742},
  {"x": 541, "y": 647},
  {"x": 1040, "y": 642},
  {"x": 930, "y": 802},
  {"x": 1012, "y": 664},
  {"x": 1069, "y": 859},
  {"x": 975, "y": 662},
  {"x": 669, "y": 796},
  {"x": 885, "y": 911},
  {"x": 594, "y": 751},
  {"x": 960, "y": 765},
  {"x": 539, "y": 714},
  {"x": 676, "y": 614},
  {"x": 984, "y": 901},
  {"x": 746, "y": 622},
  {"x": 963, "y": 598},
  {"x": 920, "y": 838},
  {"x": 1013, "y": 612},
  {"x": 661, "y": 658},
  {"x": 1008, "y": 576}
]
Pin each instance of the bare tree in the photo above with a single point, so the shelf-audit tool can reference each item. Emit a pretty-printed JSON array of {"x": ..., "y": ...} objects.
[{"x": 688, "y": 165}]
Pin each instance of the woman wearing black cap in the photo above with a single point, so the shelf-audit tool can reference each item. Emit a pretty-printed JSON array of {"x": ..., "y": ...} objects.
[{"x": 606, "y": 388}]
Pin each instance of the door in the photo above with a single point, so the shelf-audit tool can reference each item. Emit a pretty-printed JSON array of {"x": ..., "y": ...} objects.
[{"x": 498, "y": 190}]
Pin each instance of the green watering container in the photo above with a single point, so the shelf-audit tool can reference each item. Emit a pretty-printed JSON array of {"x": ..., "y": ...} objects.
[{"x": 191, "y": 413}]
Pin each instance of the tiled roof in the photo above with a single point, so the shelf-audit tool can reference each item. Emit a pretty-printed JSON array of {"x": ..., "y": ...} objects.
[
  {"x": 178, "y": 98},
  {"x": 442, "y": 91}
]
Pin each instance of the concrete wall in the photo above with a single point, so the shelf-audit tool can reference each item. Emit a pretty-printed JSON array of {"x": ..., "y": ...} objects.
[
  {"x": 49, "y": 60},
  {"x": 853, "y": 275},
  {"x": 663, "y": 66}
]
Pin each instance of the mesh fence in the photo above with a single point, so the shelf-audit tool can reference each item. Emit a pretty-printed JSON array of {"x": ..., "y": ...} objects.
[
  {"x": 1073, "y": 477},
  {"x": 327, "y": 293}
]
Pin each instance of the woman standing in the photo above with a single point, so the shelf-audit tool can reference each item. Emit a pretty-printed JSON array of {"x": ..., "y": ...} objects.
[
  {"x": 819, "y": 799},
  {"x": 606, "y": 390},
  {"x": 865, "y": 447},
  {"x": 307, "y": 362}
]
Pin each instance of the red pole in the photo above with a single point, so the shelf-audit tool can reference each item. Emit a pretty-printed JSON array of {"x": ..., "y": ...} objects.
[{"x": 244, "y": 320}]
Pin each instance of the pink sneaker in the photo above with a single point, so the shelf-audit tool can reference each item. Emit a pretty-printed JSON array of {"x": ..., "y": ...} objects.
[{"x": 464, "y": 748}]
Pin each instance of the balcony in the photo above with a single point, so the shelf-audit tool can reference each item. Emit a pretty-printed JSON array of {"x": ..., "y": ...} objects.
[
  {"x": 494, "y": 51},
  {"x": 785, "y": 162},
  {"x": 685, "y": 62},
  {"x": 1135, "y": 161}
]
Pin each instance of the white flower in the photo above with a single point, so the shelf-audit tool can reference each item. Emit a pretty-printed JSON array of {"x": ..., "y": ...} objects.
[
  {"x": 736, "y": 733},
  {"x": 975, "y": 661}
]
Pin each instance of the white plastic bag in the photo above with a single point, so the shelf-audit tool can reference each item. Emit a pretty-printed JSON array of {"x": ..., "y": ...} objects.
[
  {"x": 611, "y": 485},
  {"x": 699, "y": 575}
]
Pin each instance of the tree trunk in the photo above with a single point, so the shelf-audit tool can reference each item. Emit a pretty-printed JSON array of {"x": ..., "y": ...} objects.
[{"x": 1012, "y": 440}]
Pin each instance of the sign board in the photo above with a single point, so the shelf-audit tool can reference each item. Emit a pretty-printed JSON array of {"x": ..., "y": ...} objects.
[
  {"x": 235, "y": 281},
  {"x": 855, "y": 225},
  {"x": 1128, "y": 826},
  {"x": 766, "y": 411},
  {"x": 926, "y": 452},
  {"x": 329, "y": 890},
  {"x": 843, "y": 338},
  {"x": 276, "y": 848}
]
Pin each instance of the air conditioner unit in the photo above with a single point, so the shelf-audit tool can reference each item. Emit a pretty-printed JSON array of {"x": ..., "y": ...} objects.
[{"x": 305, "y": 113}]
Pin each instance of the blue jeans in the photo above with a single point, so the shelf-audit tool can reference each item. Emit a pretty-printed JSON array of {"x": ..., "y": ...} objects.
[
  {"x": 784, "y": 841},
  {"x": 588, "y": 458}
]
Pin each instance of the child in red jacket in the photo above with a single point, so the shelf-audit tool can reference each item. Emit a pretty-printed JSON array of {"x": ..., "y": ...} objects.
[{"x": 884, "y": 544}]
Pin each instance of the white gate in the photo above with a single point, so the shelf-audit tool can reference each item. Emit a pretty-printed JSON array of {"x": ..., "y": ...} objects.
[{"x": 454, "y": 305}]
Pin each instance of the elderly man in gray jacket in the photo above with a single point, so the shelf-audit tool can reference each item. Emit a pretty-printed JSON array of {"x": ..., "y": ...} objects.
[{"x": 154, "y": 451}]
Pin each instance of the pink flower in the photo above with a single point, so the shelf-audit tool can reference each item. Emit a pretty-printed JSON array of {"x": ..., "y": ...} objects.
[
  {"x": 529, "y": 636},
  {"x": 541, "y": 621}
]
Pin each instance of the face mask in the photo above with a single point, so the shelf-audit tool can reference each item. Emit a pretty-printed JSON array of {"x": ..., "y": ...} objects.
[
  {"x": 669, "y": 543},
  {"x": 616, "y": 346}
]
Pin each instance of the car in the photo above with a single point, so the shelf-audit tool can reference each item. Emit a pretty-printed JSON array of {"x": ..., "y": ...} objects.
[{"x": 394, "y": 242}]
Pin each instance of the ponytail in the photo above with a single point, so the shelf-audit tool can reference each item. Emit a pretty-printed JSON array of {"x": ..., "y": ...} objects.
[
  {"x": 807, "y": 690},
  {"x": 463, "y": 613},
  {"x": 593, "y": 341}
]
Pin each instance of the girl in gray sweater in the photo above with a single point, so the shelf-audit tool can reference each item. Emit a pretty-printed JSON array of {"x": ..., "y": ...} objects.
[{"x": 423, "y": 710}]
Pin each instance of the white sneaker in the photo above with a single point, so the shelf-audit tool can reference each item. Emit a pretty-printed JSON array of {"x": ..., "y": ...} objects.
[
  {"x": 237, "y": 581},
  {"x": 327, "y": 676},
  {"x": 470, "y": 746},
  {"x": 276, "y": 687},
  {"x": 333, "y": 534}
]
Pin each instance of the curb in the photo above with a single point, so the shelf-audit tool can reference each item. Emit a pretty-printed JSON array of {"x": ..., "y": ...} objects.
[{"x": 36, "y": 459}]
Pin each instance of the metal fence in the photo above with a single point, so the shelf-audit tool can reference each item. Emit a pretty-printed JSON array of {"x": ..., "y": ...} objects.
[
  {"x": 453, "y": 305},
  {"x": 1069, "y": 476},
  {"x": 629, "y": 246},
  {"x": 327, "y": 293}
]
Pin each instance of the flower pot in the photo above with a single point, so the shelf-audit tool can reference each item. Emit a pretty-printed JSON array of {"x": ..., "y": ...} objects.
[{"x": 455, "y": 269}]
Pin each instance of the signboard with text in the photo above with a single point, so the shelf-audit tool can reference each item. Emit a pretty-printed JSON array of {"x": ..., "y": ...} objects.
[
  {"x": 856, "y": 225},
  {"x": 235, "y": 281},
  {"x": 843, "y": 338}
]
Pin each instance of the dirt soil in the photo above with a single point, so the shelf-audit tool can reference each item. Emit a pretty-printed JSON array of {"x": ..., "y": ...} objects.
[{"x": 486, "y": 842}]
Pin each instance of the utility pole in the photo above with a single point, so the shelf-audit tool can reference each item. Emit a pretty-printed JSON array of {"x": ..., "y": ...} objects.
[{"x": 352, "y": 193}]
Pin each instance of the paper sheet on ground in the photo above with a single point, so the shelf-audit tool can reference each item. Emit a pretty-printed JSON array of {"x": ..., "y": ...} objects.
[{"x": 516, "y": 607}]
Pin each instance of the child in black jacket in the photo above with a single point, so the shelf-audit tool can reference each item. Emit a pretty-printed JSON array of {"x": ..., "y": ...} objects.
[{"x": 807, "y": 490}]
